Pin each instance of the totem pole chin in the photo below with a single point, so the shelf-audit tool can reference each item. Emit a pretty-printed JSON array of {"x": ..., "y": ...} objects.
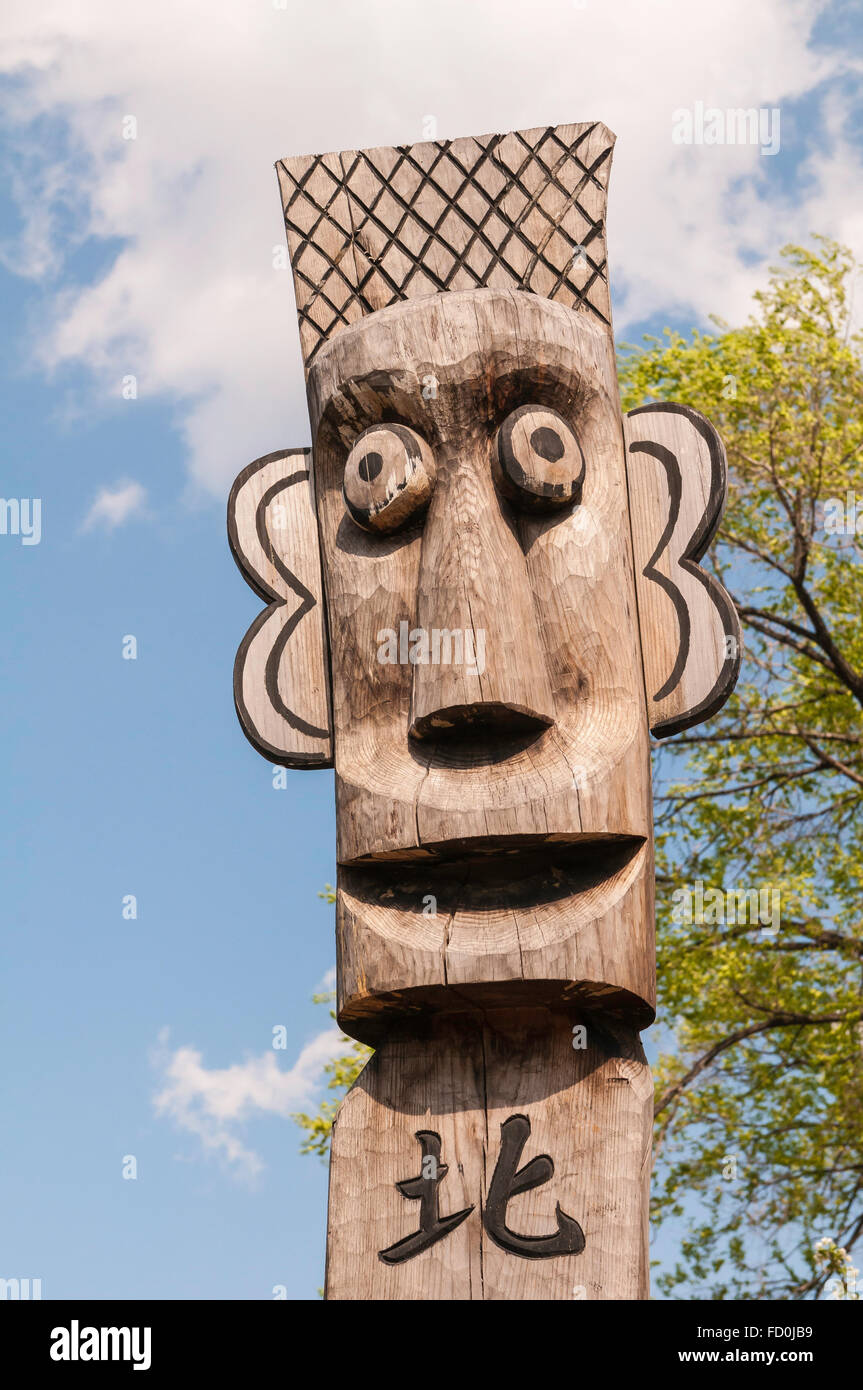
[{"x": 484, "y": 593}]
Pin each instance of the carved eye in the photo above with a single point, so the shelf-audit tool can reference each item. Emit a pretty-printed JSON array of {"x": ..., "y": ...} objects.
[
  {"x": 389, "y": 477},
  {"x": 538, "y": 461}
]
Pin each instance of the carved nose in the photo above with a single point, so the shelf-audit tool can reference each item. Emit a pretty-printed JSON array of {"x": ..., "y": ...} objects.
[{"x": 479, "y": 666}]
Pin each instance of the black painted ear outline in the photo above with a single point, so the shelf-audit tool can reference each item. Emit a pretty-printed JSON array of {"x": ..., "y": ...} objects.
[
  {"x": 692, "y": 457},
  {"x": 281, "y": 671}
]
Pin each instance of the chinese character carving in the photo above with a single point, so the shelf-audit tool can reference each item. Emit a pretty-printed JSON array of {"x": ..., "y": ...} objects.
[
  {"x": 508, "y": 1181},
  {"x": 424, "y": 1189}
]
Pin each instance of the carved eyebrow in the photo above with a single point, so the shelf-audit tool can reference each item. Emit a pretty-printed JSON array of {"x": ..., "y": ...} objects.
[{"x": 382, "y": 410}]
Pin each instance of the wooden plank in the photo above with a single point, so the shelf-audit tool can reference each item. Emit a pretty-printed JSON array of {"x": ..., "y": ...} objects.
[
  {"x": 494, "y": 1092},
  {"x": 281, "y": 673}
]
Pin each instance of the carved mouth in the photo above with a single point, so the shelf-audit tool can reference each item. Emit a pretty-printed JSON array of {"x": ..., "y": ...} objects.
[
  {"x": 488, "y": 923},
  {"x": 488, "y": 873}
]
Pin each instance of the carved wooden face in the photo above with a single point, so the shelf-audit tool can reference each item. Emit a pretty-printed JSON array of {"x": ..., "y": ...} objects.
[
  {"x": 484, "y": 641},
  {"x": 496, "y": 658},
  {"x": 510, "y": 780}
]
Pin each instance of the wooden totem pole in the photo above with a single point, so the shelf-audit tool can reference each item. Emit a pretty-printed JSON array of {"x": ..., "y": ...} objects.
[{"x": 483, "y": 592}]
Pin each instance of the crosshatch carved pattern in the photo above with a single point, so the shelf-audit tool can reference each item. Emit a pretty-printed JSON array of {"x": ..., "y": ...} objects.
[{"x": 523, "y": 211}]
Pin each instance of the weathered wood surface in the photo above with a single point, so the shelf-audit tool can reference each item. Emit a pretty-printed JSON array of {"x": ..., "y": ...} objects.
[
  {"x": 516, "y": 797},
  {"x": 523, "y": 211},
  {"x": 518, "y": 926},
  {"x": 589, "y": 1111},
  {"x": 513, "y": 600},
  {"x": 553, "y": 595},
  {"x": 538, "y": 462},
  {"x": 389, "y": 477}
]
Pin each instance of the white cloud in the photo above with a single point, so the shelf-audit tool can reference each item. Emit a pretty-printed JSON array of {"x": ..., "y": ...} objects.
[
  {"x": 327, "y": 982},
  {"x": 112, "y": 506},
  {"x": 213, "y": 1104},
  {"x": 222, "y": 88}
]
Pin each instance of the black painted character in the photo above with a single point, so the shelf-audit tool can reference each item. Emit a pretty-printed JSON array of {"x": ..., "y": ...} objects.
[
  {"x": 507, "y": 1181},
  {"x": 424, "y": 1189}
]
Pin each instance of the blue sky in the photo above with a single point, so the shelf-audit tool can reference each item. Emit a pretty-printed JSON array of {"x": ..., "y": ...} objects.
[{"x": 153, "y": 257}]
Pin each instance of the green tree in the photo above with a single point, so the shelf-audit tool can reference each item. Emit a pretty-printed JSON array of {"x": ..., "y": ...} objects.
[
  {"x": 765, "y": 1078},
  {"x": 759, "y": 1095},
  {"x": 341, "y": 1074}
]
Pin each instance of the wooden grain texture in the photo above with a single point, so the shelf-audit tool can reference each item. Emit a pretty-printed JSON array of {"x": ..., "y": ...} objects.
[
  {"x": 690, "y": 634},
  {"x": 537, "y": 461},
  {"x": 570, "y": 925},
  {"x": 281, "y": 675},
  {"x": 429, "y": 817},
  {"x": 589, "y": 1110},
  {"x": 320, "y": 242},
  {"x": 524, "y": 211},
  {"x": 477, "y": 562},
  {"x": 389, "y": 477}
]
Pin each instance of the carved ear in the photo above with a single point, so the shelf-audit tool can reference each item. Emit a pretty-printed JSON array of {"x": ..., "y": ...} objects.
[
  {"x": 281, "y": 674},
  {"x": 690, "y": 635}
]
